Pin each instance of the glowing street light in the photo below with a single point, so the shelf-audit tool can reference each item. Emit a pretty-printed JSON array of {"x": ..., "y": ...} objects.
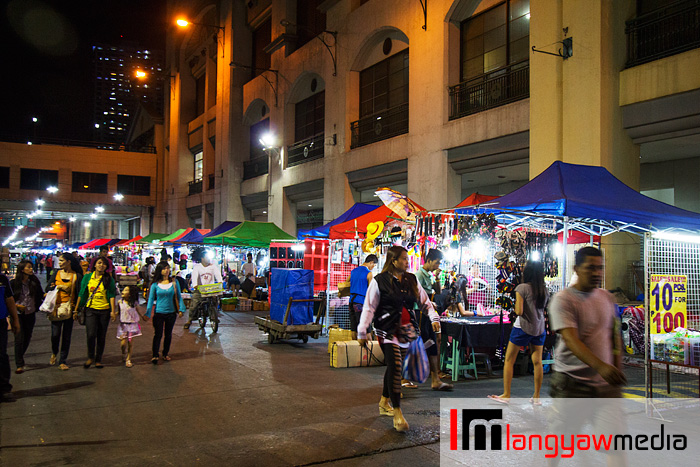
[
  {"x": 140, "y": 74},
  {"x": 183, "y": 23},
  {"x": 52, "y": 189},
  {"x": 267, "y": 140},
  {"x": 100, "y": 209},
  {"x": 93, "y": 216},
  {"x": 72, "y": 219},
  {"x": 118, "y": 196},
  {"x": 39, "y": 202}
]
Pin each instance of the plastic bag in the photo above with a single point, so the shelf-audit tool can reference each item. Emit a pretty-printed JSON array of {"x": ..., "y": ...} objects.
[
  {"x": 416, "y": 366},
  {"x": 49, "y": 302}
]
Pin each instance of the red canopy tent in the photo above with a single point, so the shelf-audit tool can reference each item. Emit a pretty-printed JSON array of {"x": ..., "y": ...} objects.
[
  {"x": 346, "y": 230},
  {"x": 94, "y": 244},
  {"x": 130, "y": 241},
  {"x": 474, "y": 199},
  {"x": 576, "y": 237}
]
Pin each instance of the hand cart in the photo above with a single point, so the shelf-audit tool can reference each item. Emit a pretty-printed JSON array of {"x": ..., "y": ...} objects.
[{"x": 276, "y": 330}]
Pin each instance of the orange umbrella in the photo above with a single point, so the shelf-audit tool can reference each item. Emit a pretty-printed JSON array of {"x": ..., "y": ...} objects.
[{"x": 400, "y": 204}]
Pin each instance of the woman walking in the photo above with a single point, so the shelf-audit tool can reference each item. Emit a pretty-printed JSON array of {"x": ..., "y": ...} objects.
[
  {"x": 531, "y": 298},
  {"x": 28, "y": 297},
  {"x": 390, "y": 301},
  {"x": 97, "y": 291},
  {"x": 66, "y": 280},
  {"x": 169, "y": 305}
]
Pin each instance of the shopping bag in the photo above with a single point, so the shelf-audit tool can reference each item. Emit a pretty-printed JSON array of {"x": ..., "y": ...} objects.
[
  {"x": 49, "y": 302},
  {"x": 416, "y": 366}
]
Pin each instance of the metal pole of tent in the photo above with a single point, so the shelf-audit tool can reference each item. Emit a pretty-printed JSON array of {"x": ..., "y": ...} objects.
[
  {"x": 328, "y": 288},
  {"x": 647, "y": 344},
  {"x": 565, "y": 248}
]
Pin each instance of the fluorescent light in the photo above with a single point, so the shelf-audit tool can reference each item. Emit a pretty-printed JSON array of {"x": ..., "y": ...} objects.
[
  {"x": 100, "y": 209},
  {"x": 86, "y": 224},
  {"x": 118, "y": 196},
  {"x": 299, "y": 247},
  {"x": 52, "y": 189},
  {"x": 93, "y": 216},
  {"x": 40, "y": 202},
  {"x": 72, "y": 219},
  {"x": 677, "y": 237},
  {"x": 535, "y": 256}
]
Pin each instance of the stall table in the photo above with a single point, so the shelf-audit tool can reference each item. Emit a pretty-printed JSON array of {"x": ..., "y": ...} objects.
[{"x": 466, "y": 334}]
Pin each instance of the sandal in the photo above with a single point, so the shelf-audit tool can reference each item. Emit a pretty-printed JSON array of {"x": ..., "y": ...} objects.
[
  {"x": 19, "y": 370},
  {"x": 166, "y": 358},
  {"x": 87, "y": 363},
  {"x": 154, "y": 360},
  {"x": 535, "y": 401},
  {"x": 129, "y": 364},
  {"x": 63, "y": 367},
  {"x": 499, "y": 399},
  {"x": 443, "y": 387},
  {"x": 99, "y": 365},
  {"x": 52, "y": 360},
  {"x": 409, "y": 385}
]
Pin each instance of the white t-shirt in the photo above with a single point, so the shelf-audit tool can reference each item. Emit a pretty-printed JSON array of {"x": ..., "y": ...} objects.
[
  {"x": 205, "y": 275},
  {"x": 249, "y": 268}
]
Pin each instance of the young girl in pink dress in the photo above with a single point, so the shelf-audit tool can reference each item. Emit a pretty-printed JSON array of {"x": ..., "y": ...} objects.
[{"x": 129, "y": 315}]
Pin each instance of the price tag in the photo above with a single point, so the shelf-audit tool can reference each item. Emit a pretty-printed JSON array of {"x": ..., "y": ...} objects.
[{"x": 667, "y": 302}]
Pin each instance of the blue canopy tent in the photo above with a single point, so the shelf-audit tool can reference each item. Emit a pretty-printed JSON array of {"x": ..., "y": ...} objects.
[
  {"x": 221, "y": 228},
  {"x": 195, "y": 236},
  {"x": 590, "y": 199},
  {"x": 75, "y": 245},
  {"x": 357, "y": 210}
]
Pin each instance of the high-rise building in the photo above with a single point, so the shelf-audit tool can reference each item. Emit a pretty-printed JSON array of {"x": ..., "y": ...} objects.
[{"x": 118, "y": 90}]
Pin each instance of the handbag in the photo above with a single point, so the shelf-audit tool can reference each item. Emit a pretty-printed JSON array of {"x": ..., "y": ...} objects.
[
  {"x": 82, "y": 309},
  {"x": 416, "y": 366},
  {"x": 63, "y": 311}
]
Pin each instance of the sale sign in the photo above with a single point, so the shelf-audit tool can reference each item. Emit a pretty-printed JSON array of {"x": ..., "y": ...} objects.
[{"x": 667, "y": 302}]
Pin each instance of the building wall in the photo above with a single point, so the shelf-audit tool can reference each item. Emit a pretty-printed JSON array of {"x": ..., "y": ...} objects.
[
  {"x": 66, "y": 160},
  {"x": 575, "y": 111}
]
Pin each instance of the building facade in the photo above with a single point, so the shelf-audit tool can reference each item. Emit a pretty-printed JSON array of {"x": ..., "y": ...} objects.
[
  {"x": 436, "y": 101},
  {"x": 118, "y": 91}
]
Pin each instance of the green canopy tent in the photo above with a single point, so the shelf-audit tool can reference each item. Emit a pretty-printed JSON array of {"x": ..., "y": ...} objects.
[
  {"x": 150, "y": 238},
  {"x": 174, "y": 236},
  {"x": 251, "y": 234}
]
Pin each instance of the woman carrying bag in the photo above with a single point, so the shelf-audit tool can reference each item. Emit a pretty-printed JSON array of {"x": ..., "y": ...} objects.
[
  {"x": 390, "y": 301},
  {"x": 65, "y": 281},
  {"x": 169, "y": 305},
  {"x": 97, "y": 291},
  {"x": 28, "y": 296}
]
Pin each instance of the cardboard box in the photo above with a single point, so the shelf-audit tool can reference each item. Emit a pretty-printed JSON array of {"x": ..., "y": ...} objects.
[
  {"x": 338, "y": 335},
  {"x": 349, "y": 354},
  {"x": 228, "y": 307}
]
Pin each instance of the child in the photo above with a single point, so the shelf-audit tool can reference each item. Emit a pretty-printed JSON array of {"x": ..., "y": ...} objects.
[{"x": 129, "y": 321}]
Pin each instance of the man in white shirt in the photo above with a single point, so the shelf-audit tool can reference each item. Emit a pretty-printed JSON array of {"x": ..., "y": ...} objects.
[
  {"x": 248, "y": 269},
  {"x": 202, "y": 274}
]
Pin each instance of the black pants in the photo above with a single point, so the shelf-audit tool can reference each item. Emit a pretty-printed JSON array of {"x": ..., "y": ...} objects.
[
  {"x": 5, "y": 385},
  {"x": 163, "y": 322},
  {"x": 392, "y": 375},
  {"x": 96, "y": 322},
  {"x": 26, "y": 328},
  {"x": 61, "y": 332},
  {"x": 49, "y": 269}
]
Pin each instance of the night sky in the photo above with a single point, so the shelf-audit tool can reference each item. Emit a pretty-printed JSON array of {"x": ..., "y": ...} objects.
[{"x": 47, "y": 52}]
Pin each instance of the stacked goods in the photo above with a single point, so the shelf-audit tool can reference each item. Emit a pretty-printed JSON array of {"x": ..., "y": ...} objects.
[
  {"x": 691, "y": 344},
  {"x": 229, "y": 304},
  {"x": 335, "y": 334},
  {"x": 245, "y": 304},
  {"x": 350, "y": 354},
  {"x": 681, "y": 346}
]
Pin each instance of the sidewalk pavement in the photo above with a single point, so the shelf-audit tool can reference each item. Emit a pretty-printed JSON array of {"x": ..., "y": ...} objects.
[{"x": 225, "y": 399}]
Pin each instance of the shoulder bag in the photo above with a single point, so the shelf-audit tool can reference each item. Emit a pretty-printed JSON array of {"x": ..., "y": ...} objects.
[{"x": 83, "y": 307}]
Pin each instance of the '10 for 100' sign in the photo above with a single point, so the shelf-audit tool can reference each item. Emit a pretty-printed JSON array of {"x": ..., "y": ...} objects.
[{"x": 667, "y": 302}]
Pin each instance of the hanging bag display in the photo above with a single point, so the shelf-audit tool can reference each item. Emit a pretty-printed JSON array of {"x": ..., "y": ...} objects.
[{"x": 416, "y": 366}]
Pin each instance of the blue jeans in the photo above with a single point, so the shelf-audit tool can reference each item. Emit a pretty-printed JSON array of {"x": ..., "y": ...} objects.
[{"x": 26, "y": 328}]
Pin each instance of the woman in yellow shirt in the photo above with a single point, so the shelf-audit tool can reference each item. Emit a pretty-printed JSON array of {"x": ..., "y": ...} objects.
[{"x": 98, "y": 291}]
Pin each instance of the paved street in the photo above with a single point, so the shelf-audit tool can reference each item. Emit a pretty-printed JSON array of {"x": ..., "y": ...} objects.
[{"x": 225, "y": 399}]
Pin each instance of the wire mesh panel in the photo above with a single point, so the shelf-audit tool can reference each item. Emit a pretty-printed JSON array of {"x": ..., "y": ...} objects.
[{"x": 672, "y": 347}]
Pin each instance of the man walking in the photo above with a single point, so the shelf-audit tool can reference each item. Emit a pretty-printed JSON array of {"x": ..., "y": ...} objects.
[
  {"x": 431, "y": 339},
  {"x": 360, "y": 277},
  {"x": 7, "y": 308},
  {"x": 589, "y": 361}
]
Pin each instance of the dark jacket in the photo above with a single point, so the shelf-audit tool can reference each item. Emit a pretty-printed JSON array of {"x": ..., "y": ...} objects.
[
  {"x": 34, "y": 290},
  {"x": 394, "y": 296}
]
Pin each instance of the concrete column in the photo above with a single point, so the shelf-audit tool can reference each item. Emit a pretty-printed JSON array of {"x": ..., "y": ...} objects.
[{"x": 423, "y": 172}]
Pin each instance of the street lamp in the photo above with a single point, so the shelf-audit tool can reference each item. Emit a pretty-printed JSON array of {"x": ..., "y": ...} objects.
[
  {"x": 100, "y": 209},
  {"x": 274, "y": 87},
  {"x": 40, "y": 202},
  {"x": 118, "y": 196},
  {"x": 183, "y": 23},
  {"x": 140, "y": 74},
  {"x": 52, "y": 189}
]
